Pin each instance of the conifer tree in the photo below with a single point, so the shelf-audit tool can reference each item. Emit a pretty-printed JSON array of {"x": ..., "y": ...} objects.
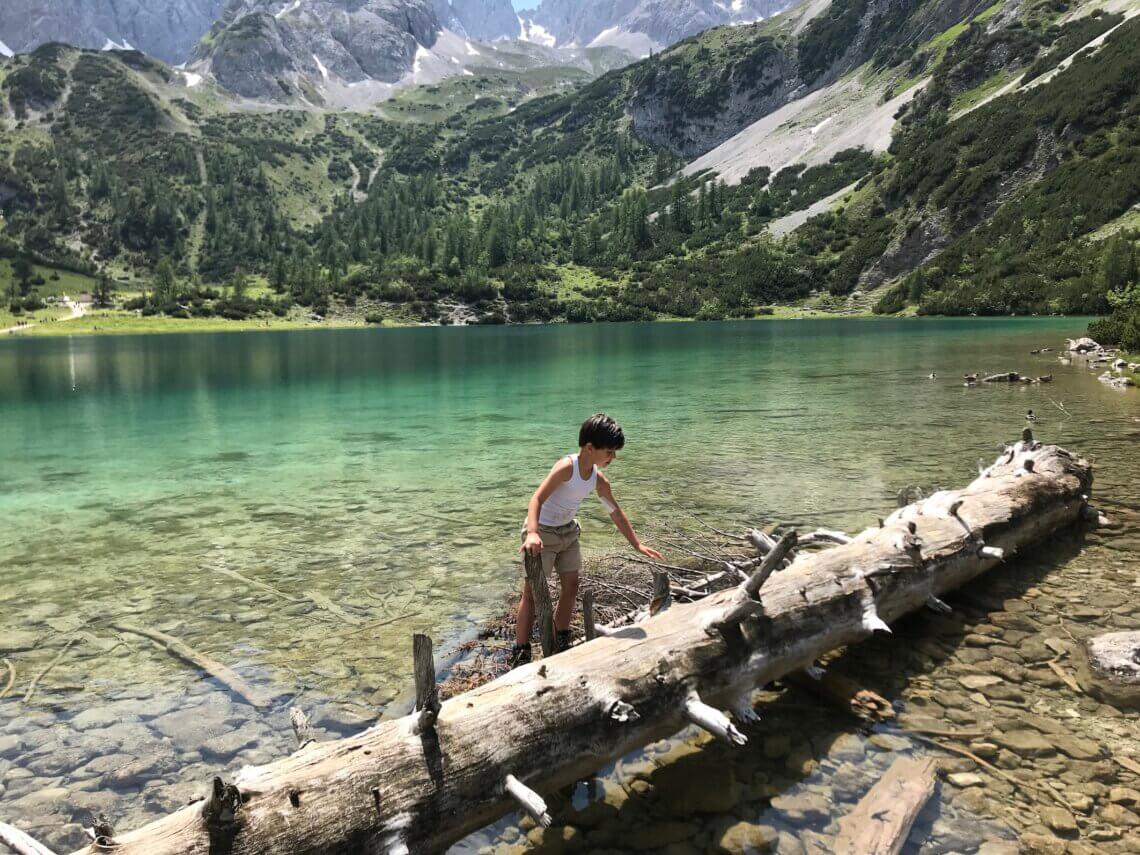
[{"x": 164, "y": 285}]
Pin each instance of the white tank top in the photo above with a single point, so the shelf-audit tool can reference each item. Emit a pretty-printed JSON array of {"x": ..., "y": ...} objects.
[{"x": 563, "y": 503}]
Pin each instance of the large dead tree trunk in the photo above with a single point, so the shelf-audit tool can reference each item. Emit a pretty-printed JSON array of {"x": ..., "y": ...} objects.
[{"x": 417, "y": 784}]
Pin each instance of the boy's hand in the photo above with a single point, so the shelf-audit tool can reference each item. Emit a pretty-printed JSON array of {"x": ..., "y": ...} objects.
[
  {"x": 649, "y": 552},
  {"x": 532, "y": 544}
]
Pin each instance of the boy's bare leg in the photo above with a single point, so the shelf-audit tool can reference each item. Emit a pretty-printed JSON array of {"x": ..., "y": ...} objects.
[
  {"x": 567, "y": 599},
  {"x": 525, "y": 619}
]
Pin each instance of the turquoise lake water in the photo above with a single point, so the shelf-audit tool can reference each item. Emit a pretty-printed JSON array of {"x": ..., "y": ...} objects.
[{"x": 206, "y": 485}]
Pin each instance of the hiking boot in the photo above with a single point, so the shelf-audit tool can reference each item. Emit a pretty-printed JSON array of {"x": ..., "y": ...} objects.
[
  {"x": 520, "y": 655},
  {"x": 561, "y": 640}
]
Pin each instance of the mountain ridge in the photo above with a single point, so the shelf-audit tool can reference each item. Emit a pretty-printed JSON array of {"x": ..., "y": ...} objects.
[
  {"x": 566, "y": 206},
  {"x": 162, "y": 28}
]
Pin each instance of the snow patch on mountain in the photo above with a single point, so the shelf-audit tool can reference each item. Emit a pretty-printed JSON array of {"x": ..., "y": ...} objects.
[
  {"x": 638, "y": 44},
  {"x": 293, "y": 7},
  {"x": 422, "y": 53},
  {"x": 113, "y": 45},
  {"x": 192, "y": 79},
  {"x": 321, "y": 67},
  {"x": 534, "y": 33},
  {"x": 5, "y": 50}
]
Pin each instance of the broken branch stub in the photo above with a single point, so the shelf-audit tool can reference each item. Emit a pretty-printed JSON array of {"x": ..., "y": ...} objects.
[
  {"x": 551, "y": 723},
  {"x": 528, "y": 800},
  {"x": 543, "y": 608},
  {"x": 770, "y": 564},
  {"x": 662, "y": 595},
  {"x": 744, "y": 601},
  {"x": 712, "y": 720},
  {"x": 427, "y": 691},
  {"x": 588, "y": 615},
  {"x": 302, "y": 727}
]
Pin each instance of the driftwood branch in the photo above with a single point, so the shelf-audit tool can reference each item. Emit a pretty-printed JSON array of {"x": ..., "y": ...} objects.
[
  {"x": 554, "y": 722},
  {"x": 11, "y": 678},
  {"x": 20, "y": 843},
  {"x": 222, "y": 673},
  {"x": 880, "y": 822},
  {"x": 30, "y": 693}
]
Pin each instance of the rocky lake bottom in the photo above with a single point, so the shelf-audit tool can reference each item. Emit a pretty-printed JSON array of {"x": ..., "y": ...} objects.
[{"x": 306, "y": 569}]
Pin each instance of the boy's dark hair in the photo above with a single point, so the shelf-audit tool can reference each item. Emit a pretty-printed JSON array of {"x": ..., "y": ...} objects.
[{"x": 602, "y": 432}]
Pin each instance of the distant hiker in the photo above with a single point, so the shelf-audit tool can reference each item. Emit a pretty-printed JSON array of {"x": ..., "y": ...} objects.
[
  {"x": 933, "y": 376},
  {"x": 552, "y": 530},
  {"x": 1029, "y": 417}
]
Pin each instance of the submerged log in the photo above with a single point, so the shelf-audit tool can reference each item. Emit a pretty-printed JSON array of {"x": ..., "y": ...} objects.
[
  {"x": 881, "y": 821},
  {"x": 181, "y": 650},
  {"x": 550, "y": 723},
  {"x": 844, "y": 693}
]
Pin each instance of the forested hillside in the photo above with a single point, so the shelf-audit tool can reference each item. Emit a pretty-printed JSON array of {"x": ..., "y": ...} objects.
[{"x": 484, "y": 199}]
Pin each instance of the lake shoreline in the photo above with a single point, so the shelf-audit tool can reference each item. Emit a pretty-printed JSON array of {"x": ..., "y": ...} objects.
[{"x": 124, "y": 324}]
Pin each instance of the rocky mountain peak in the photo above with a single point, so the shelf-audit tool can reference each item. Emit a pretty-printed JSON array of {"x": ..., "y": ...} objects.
[
  {"x": 641, "y": 25},
  {"x": 479, "y": 19},
  {"x": 167, "y": 29},
  {"x": 272, "y": 48}
]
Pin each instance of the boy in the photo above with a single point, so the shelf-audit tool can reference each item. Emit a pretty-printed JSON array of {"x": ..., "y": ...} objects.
[{"x": 552, "y": 531}]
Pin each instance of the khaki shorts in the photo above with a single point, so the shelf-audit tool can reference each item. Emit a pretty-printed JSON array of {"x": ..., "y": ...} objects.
[{"x": 561, "y": 549}]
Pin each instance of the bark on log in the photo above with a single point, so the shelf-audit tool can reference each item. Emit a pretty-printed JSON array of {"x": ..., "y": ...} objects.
[
  {"x": 551, "y": 723},
  {"x": 881, "y": 821}
]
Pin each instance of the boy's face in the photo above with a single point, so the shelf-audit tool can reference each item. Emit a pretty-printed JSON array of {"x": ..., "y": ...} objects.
[{"x": 602, "y": 456}]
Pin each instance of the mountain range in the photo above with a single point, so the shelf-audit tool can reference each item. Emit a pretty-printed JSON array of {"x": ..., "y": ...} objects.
[
  {"x": 923, "y": 156},
  {"x": 346, "y": 52}
]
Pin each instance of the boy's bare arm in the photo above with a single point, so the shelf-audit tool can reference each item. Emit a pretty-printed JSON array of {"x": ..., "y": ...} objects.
[
  {"x": 559, "y": 473},
  {"x": 606, "y": 494}
]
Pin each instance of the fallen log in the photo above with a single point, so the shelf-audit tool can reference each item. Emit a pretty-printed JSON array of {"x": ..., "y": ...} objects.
[
  {"x": 881, "y": 821},
  {"x": 548, "y": 724}
]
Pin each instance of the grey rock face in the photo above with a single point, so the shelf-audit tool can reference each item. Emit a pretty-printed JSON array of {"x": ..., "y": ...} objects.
[
  {"x": 663, "y": 21},
  {"x": 167, "y": 29},
  {"x": 748, "y": 92},
  {"x": 478, "y": 19},
  {"x": 262, "y": 48}
]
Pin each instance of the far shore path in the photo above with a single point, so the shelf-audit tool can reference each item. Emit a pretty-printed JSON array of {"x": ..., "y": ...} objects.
[{"x": 78, "y": 310}]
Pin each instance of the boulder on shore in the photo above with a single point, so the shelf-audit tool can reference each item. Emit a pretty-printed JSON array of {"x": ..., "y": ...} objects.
[
  {"x": 1082, "y": 345},
  {"x": 1110, "y": 669}
]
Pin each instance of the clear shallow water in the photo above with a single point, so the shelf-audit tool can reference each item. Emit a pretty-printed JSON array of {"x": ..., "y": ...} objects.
[{"x": 389, "y": 470}]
